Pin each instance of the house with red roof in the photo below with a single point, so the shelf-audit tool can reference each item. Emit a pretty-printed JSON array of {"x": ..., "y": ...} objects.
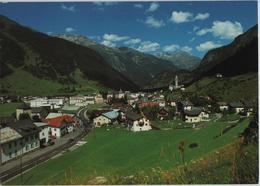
[{"x": 59, "y": 126}]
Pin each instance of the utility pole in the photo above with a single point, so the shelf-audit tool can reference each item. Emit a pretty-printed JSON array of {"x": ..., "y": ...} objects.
[{"x": 21, "y": 163}]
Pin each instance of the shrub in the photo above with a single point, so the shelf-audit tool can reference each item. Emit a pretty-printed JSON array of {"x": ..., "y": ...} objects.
[{"x": 193, "y": 145}]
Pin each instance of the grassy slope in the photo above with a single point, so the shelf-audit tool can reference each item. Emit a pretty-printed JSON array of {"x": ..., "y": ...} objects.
[
  {"x": 119, "y": 151},
  {"x": 23, "y": 83},
  {"x": 227, "y": 89},
  {"x": 7, "y": 109}
]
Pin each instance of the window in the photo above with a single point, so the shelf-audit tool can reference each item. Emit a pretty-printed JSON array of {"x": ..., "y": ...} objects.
[
  {"x": 15, "y": 143},
  {"x": 10, "y": 145},
  {"x": 10, "y": 155},
  {"x": 42, "y": 133},
  {"x": 26, "y": 139},
  {"x": 21, "y": 142},
  {"x": 15, "y": 152},
  {"x": 54, "y": 129}
]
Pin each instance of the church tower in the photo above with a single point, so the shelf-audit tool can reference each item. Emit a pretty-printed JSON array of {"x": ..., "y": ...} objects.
[{"x": 176, "y": 82}]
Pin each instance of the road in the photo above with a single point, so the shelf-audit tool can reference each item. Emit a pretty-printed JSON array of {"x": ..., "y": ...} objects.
[{"x": 19, "y": 169}]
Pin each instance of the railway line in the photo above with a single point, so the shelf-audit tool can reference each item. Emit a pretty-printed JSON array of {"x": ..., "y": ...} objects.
[{"x": 19, "y": 169}]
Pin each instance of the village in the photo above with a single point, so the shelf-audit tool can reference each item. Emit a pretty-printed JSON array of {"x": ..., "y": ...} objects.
[{"x": 40, "y": 121}]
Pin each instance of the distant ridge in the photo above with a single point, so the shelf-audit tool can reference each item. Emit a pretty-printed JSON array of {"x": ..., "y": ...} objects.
[{"x": 53, "y": 59}]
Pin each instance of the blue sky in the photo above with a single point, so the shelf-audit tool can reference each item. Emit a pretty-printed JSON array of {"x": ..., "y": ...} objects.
[{"x": 151, "y": 27}]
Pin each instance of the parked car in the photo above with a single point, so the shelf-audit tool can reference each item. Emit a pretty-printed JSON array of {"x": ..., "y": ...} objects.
[{"x": 50, "y": 142}]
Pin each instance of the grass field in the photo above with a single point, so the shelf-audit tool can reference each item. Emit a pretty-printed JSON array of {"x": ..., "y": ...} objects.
[
  {"x": 113, "y": 150},
  {"x": 7, "y": 109},
  {"x": 23, "y": 83},
  {"x": 227, "y": 89}
]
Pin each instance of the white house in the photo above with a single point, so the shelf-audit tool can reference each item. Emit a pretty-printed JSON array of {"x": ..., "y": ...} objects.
[
  {"x": 99, "y": 98},
  {"x": 195, "y": 115},
  {"x": 90, "y": 101},
  {"x": 18, "y": 138},
  {"x": 59, "y": 126},
  {"x": 106, "y": 118},
  {"x": 9, "y": 142},
  {"x": 44, "y": 132},
  {"x": 23, "y": 109},
  {"x": 135, "y": 122},
  {"x": 222, "y": 106},
  {"x": 120, "y": 94},
  {"x": 44, "y": 102},
  {"x": 186, "y": 105},
  {"x": 78, "y": 100},
  {"x": 237, "y": 106}
]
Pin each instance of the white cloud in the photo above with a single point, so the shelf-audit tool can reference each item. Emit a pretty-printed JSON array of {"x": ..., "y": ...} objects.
[
  {"x": 138, "y": 5},
  {"x": 201, "y": 16},
  {"x": 171, "y": 48},
  {"x": 50, "y": 33},
  {"x": 111, "y": 39},
  {"x": 181, "y": 17},
  {"x": 195, "y": 28},
  {"x": 153, "y": 7},
  {"x": 208, "y": 45},
  {"x": 152, "y": 22},
  {"x": 174, "y": 48},
  {"x": 148, "y": 46},
  {"x": 223, "y": 29},
  {"x": 192, "y": 39},
  {"x": 69, "y": 29},
  {"x": 108, "y": 43},
  {"x": 114, "y": 37},
  {"x": 186, "y": 49},
  {"x": 203, "y": 31},
  {"x": 132, "y": 41},
  {"x": 68, "y": 8}
]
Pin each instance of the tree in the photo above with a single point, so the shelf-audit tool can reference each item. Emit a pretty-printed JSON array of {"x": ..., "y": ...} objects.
[
  {"x": 24, "y": 116},
  {"x": 181, "y": 148},
  {"x": 172, "y": 111},
  {"x": 151, "y": 112},
  {"x": 36, "y": 118}
]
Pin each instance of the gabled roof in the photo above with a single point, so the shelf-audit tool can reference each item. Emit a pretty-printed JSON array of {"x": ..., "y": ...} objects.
[
  {"x": 24, "y": 106},
  {"x": 195, "y": 111},
  {"x": 236, "y": 105},
  {"x": 186, "y": 103},
  {"x": 222, "y": 103},
  {"x": 132, "y": 116},
  {"x": 59, "y": 121},
  {"x": 8, "y": 134},
  {"x": 24, "y": 127},
  {"x": 54, "y": 115},
  {"x": 40, "y": 124},
  {"x": 111, "y": 115}
]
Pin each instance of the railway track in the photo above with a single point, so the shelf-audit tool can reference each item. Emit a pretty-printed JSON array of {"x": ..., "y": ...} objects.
[{"x": 6, "y": 175}]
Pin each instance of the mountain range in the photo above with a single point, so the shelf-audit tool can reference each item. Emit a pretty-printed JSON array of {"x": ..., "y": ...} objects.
[
  {"x": 35, "y": 62},
  {"x": 182, "y": 60},
  {"x": 238, "y": 57},
  {"x": 52, "y": 59},
  {"x": 137, "y": 66}
]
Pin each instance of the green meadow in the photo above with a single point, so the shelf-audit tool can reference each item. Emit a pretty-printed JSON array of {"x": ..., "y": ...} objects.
[
  {"x": 113, "y": 150},
  {"x": 7, "y": 109}
]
